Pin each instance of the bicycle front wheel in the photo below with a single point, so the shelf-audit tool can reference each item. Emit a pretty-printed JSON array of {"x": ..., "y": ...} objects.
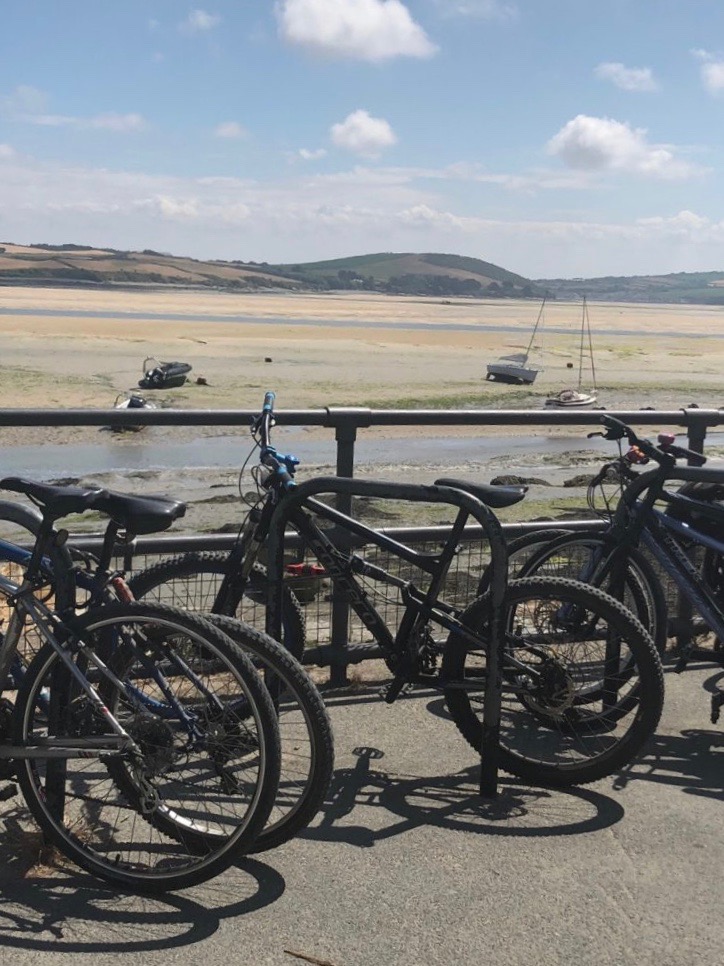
[
  {"x": 582, "y": 684},
  {"x": 201, "y": 754},
  {"x": 584, "y": 557}
]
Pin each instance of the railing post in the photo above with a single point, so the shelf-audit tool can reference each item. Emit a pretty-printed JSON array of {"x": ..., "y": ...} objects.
[{"x": 345, "y": 422}]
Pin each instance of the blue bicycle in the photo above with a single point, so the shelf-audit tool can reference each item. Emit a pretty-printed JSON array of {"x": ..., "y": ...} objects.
[{"x": 681, "y": 528}]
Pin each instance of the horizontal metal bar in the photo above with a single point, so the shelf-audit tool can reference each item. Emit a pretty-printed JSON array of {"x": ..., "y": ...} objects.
[
  {"x": 333, "y": 418},
  {"x": 224, "y": 541}
]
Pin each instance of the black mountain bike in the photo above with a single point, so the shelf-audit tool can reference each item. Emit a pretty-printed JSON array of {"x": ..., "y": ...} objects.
[{"x": 549, "y": 679}]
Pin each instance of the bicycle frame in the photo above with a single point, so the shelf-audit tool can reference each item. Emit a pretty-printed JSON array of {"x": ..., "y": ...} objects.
[{"x": 26, "y": 606}]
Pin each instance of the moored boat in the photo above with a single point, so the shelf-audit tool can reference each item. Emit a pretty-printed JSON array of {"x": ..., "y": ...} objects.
[
  {"x": 514, "y": 368},
  {"x": 579, "y": 397},
  {"x": 163, "y": 375},
  {"x": 130, "y": 400}
]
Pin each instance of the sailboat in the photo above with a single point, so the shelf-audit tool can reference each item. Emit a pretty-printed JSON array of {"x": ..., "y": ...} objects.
[
  {"x": 514, "y": 368},
  {"x": 579, "y": 397}
]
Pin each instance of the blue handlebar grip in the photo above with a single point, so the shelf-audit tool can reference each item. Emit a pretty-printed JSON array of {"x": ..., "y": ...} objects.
[{"x": 269, "y": 402}]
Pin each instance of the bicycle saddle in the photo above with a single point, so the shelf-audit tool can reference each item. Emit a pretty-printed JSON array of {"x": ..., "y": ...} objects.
[
  {"x": 496, "y": 497},
  {"x": 140, "y": 514},
  {"x": 56, "y": 501}
]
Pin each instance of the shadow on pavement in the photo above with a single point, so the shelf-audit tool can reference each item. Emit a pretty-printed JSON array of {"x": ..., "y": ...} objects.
[
  {"x": 68, "y": 911},
  {"x": 400, "y": 803},
  {"x": 692, "y": 760}
]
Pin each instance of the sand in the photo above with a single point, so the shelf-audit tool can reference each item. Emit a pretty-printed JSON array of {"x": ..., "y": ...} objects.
[{"x": 345, "y": 349}]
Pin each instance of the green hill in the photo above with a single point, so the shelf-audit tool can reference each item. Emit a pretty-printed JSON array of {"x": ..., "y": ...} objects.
[
  {"x": 705, "y": 288},
  {"x": 412, "y": 274},
  {"x": 84, "y": 266}
]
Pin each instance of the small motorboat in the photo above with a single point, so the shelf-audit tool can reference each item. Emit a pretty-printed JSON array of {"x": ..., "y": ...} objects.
[
  {"x": 163, "y": 375},
  {"x": 130, "y": 400}
]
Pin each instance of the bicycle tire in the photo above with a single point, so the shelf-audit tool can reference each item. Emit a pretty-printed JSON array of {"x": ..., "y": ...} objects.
[
  {"x": 101, "y": 814},
  {"x": 192, "y": 581},
  {"x": 581, "y": 745},
  {"x": 571, "y": 556},
  {"x": 300, "y": 707},
  {"x": 520, "y": 549}
]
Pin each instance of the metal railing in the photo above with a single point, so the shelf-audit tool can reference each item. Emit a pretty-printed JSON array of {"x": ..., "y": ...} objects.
[{"x": 346, "y": 422}]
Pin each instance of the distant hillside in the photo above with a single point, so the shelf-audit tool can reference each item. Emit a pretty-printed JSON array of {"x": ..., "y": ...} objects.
[
  {"x": 433, "y": 275},
  {"x": 79, "y": 265},
  {"x": 411, "y": 274},
  {"x": 705, "y": 288}
]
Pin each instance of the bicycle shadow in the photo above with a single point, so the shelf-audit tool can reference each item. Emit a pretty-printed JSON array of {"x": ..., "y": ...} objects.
[
  {"x": 691, "y": 760},
  {"x": 402, "y": 803},
  {"x": 65, "y": 910}
]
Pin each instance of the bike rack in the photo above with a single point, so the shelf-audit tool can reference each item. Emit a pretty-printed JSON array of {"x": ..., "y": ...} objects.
[{"x": 348, "y": 488}]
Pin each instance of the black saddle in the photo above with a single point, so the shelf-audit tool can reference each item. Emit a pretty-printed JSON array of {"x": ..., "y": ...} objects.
[
  {"x": 496, "y": 497},
  {"x": 135, "y": 514},
  {"x": 140, "y": 514},
  {"x": 56, "y": 501}
]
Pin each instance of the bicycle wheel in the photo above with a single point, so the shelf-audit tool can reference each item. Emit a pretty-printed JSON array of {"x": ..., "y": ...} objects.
[
  {"x": 520, "y": 550},
  {"x": 192, "y": 581},
  {"x": 204, "y": 756},
  {"x": 307, "y": 745},
  {"x": 563, "y": 639},
  {"x": 581, "y": 557}
]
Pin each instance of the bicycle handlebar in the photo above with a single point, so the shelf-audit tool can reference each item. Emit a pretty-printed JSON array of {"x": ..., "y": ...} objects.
[
  {"x": 282, "y": 466},
  {"x": 665, "y": 454}
]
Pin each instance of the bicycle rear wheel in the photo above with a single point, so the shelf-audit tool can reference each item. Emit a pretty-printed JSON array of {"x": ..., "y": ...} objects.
[
  {"x": 307, "y": 744},
  {"x": 204, "y": 751},
  {"x": 193, "y": 581},
  {"x": 570, "y": 714}
]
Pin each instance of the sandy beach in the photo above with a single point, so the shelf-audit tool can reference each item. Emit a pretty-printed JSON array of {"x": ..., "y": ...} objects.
[{"x": 60, "y": 350}]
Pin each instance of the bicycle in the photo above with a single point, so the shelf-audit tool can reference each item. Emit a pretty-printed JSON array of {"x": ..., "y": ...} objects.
[
  {"x": 143, "y": 741},
  {"x": 508, "y": 665},
  {"x": 306, "y": 740},
  {"x": 692, "y": 520}
]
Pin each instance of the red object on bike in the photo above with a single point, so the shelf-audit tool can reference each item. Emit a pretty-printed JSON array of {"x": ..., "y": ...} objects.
[
  {"x": 305, "y": 570},
  {"x": 635, "y": 455},
  {"x": 666, "y": 439}
]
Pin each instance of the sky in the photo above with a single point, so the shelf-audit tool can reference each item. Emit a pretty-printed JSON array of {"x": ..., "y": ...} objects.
[{"x": 555, "y": 138}]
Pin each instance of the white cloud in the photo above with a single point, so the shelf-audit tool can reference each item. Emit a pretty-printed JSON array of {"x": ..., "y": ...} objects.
[
  {"x": 372, "y": 30},
  {"x": 6, "y": 152},
  {"x": 711, "y": 71},
  {"x": 600, "y": 143},
  {"x": 627, "y": 78},
  {"x": 231, "y": 130},
  {"x": 363, "y": 134},
  {"x": 313, "y": 216},
  {"x": 23, "y": 99},
  {"x": 498, "y": 10},
  {"x": 119, "y": 123},
  {"x": 199, "y": 21},
  {"x": 306, "y": 155}
]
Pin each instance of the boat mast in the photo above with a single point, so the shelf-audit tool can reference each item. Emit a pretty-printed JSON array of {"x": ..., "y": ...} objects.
[
  {"x": 535, "y": 329},
  {"x": 585, "y": 330}
]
